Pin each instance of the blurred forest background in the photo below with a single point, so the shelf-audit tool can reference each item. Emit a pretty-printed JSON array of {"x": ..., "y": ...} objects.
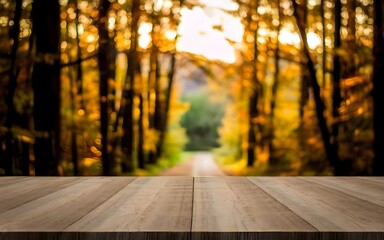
[{"x": 125, "y": 87}]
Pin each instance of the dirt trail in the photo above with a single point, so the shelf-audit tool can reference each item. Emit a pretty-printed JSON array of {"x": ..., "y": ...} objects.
[{"x": 199, "y": 164}]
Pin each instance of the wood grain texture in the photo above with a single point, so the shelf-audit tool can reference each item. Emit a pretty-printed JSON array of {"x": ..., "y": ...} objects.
[
  {"x": 374, "y": 179},
  {"x": 371, "y": 191},
  {"x": 111, "y": 235},
  {"x": 6, "y": 181},
  {"x": 187, "y": 208},
  {"x": 32, "y": 188},
  {"x": 148, "y": 204},
  {"x": 234, "y": 204},
  {"x": 58, "y": 210},
  {"x": 325, "y": 208}
]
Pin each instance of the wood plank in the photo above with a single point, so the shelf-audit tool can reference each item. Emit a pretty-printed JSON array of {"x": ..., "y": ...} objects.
[
  {"x": 371, "y": 191},
  {"x": 160, "y": 208},
  {"x": 112, "y": 235},
  {"x": 288, "y": 235},
  {"x": 5, "y": 181},
  {"x": 32, "y": 188},
  {"x": 207, "y": 235},
  {"x": 234, "y": 204},
  {"x": 374, "y": 179},
  {"x": 148, "y": 208},
  {"x": 325, "y": 208},
  {"x": 58, "y": 210}
]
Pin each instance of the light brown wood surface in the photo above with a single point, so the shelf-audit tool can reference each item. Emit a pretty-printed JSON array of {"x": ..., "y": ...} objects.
[
  {"x": 192, "y": 208},
  {"x": 327, "y": 209},
  {"x": 371, "y": 191}
]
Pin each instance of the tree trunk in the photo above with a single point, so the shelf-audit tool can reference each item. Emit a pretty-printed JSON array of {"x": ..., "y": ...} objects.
[
  {"x": 304, "y": 95},
  {"x": 79, "y": 82},
  {"x": 330, "y": 149},
  {"x": 253, "y": 101},
  {"x": 12, "y": 83},
  {"x": 276, "y": 73},
  {"x": 351, "y": 38},
  {"x": 140, "y": 136},
  {"x": 140, "y": 147},
  {"x": 74, "y": 152},
  {"x": 305, "y": 82},
  {"x": 128, "y": 130},
  {"x": 76, "y": 82},
  {"x": 103, "y": 90},
  {"x": 46, "y": 86},
  {"x": 159, "y": 111},
  {"x": 112, "y": 54},
  {"x": 304, "y": 74},
  {"x": 152, "y": 82},
  {"x": 168, "y": 96},
  {"x": 324, "y": 35},
  {"x": 274, "y": 89},
  {"x": 336, "y": 93},
  {"x": 378, "y": 89}
]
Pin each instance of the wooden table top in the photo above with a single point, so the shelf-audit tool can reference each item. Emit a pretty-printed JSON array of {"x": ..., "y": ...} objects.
[{"x": 192, "y": 208}]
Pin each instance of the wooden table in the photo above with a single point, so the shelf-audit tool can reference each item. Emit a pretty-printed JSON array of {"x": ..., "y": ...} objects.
[{"x": 192, "y": 208}]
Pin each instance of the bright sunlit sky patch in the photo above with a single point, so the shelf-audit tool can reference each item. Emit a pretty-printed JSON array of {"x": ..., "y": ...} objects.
[
  {"x": 210, "y": 31},
  {"x": 199, "y": 30}
]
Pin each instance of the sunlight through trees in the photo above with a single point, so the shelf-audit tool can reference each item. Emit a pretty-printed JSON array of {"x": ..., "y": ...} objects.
[{"x": 118, "y": 87}]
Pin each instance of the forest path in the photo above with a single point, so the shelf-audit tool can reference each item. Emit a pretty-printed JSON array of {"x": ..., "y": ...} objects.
[{"x": 199, "y": 164}]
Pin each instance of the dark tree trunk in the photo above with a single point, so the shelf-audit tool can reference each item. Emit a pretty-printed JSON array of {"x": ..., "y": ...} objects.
[
  {"x": 103, "y": 90},
  {"x": 79, "y": 79},
  {"x": 253, "y": 102},
  {"x": 168, "y": 96},
  {"x": 254, "y": 96},
  {"x": 336, "y": 93},
  {"x": 74, "y": 153},
  {"x": 127, "y": 139},
  {"x": 274, "y": 89},
  {"x": 46, "y": 85},
  {"x": 112, "y": 54},
  {"x": 378, "y": 89},
  {"x": 77, "y": 83},
  {"x": 158, "y": 114},
  {"x": 304, "y": 95},
  {"x": 140, "y": 147},
  {"x": 351, "y": 38},
  {"x": 140, "y": 136},
  {"x": 276, "y": 73},
  {"x": 152, "y": 82},
  {"x": 128, "y": 133},
  {"x": 330, "y": 149},
  {"x": 12, "y": 83},
  {"x": 324, "y": 35},
  {"x": 304, "y": 87}
]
